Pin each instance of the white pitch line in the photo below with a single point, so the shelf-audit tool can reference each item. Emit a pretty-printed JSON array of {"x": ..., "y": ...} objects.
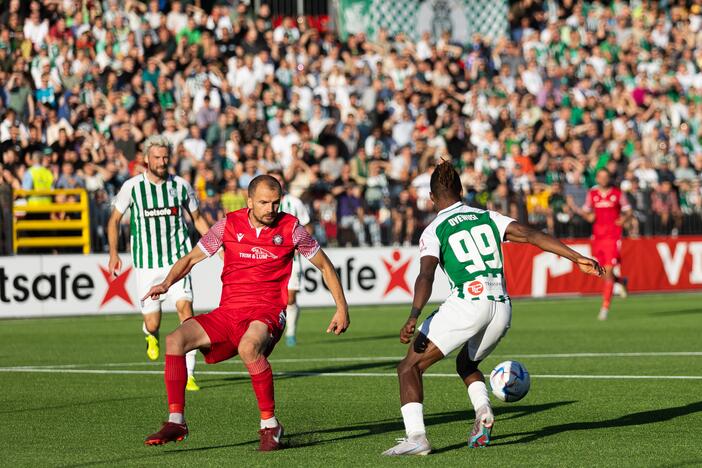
[
  {"x": 332, "y": 374},
  {"x": 398, "y": 358}
]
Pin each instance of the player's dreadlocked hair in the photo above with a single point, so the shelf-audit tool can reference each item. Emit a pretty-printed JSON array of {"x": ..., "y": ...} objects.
[{"x": 445, "y": 182}]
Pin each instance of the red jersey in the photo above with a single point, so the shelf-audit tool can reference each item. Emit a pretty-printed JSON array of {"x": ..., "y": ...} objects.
[
  {"x": 607, "y": 204},
  {"x": 257, "y": 262}
]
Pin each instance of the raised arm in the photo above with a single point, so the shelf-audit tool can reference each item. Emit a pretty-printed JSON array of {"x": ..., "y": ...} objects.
[
  {"x": 422, "y": 292},
  {"x": 520, "y": 233}
]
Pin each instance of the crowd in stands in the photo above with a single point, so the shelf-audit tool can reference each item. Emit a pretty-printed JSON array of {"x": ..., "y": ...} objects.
[{"x": 356, "y": 125}]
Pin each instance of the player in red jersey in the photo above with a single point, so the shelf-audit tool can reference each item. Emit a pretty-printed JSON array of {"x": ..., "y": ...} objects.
[
  {"x": 259, "y": 245},
  {"x": 608, "y": 210}
]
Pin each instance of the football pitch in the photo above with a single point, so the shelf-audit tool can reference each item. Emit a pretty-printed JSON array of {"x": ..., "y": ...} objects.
[{"x": 626, "y": 392}]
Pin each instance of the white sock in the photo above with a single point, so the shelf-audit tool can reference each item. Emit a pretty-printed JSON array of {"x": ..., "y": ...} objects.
[
  {"x": 268, "y": 423},
  {"x": 190, "y": 361},
  {"x": 292, "y": 314},
  {"x": 147, "y": 332},
  {"x": 177, "y": 418},
  {"x": 478, "y": 394},
  {"x": 412, "y": 414}
]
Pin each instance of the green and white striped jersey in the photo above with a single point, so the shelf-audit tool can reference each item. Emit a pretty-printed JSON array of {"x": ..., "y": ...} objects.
[
  {"x": 290, "y": 204},
  {"x": 468, "y": 243},
  {"x": 159, "y": 236}
]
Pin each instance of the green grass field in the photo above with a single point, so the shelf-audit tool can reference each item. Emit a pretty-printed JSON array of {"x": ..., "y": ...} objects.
[{"x": 601, "y": 394}]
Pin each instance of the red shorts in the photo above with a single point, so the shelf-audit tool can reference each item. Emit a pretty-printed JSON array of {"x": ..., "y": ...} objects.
[
  {"x": 225, "y": 326},
  {"x": 607, "y": 251}
]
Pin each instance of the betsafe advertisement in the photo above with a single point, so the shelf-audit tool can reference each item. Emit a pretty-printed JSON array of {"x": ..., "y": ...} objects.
[{"x": 61, "y": 285}]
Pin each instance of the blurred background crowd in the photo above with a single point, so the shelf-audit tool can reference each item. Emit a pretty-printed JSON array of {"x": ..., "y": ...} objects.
[{"x": 356, "y": 125}]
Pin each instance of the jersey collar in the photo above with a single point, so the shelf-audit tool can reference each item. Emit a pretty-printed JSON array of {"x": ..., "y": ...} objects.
[{"x": 452, "y": 207}]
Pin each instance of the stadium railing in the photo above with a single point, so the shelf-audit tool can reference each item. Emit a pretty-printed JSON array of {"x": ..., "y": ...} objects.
[{"x": 35, "y": 215}]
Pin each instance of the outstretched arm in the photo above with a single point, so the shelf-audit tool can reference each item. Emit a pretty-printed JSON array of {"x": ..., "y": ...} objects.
[
  {"x": 208, "y": 246},
  {"x": 340, "y": 322},
  {"x": 178, "y": 271},
  {"x": 520, "y": 233},
  {"x": 422, "y": 292}
]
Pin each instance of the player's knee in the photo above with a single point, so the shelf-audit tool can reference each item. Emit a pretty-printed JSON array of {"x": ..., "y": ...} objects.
[
  {"x": 248, "y": 351},
  {"x": 408, "y": 366},
  {"x": 174, "y": 343},
  {"x": 465, "y": 367}
]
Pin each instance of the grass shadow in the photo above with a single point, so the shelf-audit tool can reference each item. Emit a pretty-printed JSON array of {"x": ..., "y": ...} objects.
[{"x": 634, "y": 419}]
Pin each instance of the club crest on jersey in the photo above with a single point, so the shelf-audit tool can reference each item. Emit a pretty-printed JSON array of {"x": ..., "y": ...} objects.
[
  {"x": 172, "y": 192},
  {"x": 278, "y": 239},
  {"x": 239, "y": 236},
  {"x": 258, "y": 253}
]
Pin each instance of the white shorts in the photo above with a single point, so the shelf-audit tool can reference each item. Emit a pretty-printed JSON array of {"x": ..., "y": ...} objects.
[
  {"x": 148, "y": 277},
  {"x": 480, "y": 323},
  {"x": 296, "y": 275}
]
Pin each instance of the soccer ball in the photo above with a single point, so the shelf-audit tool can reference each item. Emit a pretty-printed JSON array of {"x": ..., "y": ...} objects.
[{"x": 510, "y": 381}]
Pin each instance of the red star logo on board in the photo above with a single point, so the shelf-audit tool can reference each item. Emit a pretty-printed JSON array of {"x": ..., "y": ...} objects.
[
  {"x": 397, "y": 273},
  {"x": 116, "y": 287}
]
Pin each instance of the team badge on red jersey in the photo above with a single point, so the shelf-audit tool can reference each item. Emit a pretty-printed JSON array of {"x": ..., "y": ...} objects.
[{"x": 278, "y": 239}]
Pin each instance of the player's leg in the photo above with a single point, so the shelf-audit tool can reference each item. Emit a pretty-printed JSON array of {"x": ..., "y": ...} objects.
[
  {"x": 420, "y": 356},
  {"x": 150, "y": 309},
  {"x": 253, "y": 349},
  {"x": 150, "y": 327},
  {"x": 607, "y": 292},
  {"x": 467, "y": 361},
  {"x": 188, "y": 336},
  {"x": 184, "y": 308},
  {"x": 292, "y": 315},
  {"x": 602, "y": 251},
  {"x": 292, "y": 311}
]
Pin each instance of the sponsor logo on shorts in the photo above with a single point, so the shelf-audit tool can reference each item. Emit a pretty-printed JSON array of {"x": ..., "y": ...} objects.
[
  {"x": 159, "y": 212},
  {"x": 475, "y": 288},
  {"x": 258, "y": 253},
  {"x": 278, "y": 239}
]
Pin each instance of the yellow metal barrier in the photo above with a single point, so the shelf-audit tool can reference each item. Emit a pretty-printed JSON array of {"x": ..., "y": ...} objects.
[{"x": 49, "y": 225}]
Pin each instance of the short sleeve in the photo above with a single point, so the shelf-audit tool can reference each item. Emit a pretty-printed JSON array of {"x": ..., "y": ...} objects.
[
  {"x": 587, "y": 208},
  {"x": 303, "y": 215},
  {"x": 624, "y": 202},
  {"x": 429, "y": 244},
  {"x": 304, "y": 242},
  {"x": 501, "y": 221},
  {"x": 190, "y": 202},
  {"x": 124, "y": 197},
  {"x": 212, "y": 241}
]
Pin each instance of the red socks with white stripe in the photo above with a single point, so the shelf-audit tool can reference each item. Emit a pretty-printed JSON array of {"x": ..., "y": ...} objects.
[
  {"x": 262, "y": 383},
  {"x": 175, "y": 377}
]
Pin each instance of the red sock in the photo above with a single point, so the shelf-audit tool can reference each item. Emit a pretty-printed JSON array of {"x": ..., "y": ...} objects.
[
  {"x": 175, "y": 376},
  {"x": 607, "y": 293},
  {"x": 262, "y": 382}
]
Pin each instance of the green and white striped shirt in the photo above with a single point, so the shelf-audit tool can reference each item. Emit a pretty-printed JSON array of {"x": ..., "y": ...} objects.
[
  {"x": 159, "y": 236},
  {"x": 290, "y": 204},
  {"x": 468, "y": 243}
]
